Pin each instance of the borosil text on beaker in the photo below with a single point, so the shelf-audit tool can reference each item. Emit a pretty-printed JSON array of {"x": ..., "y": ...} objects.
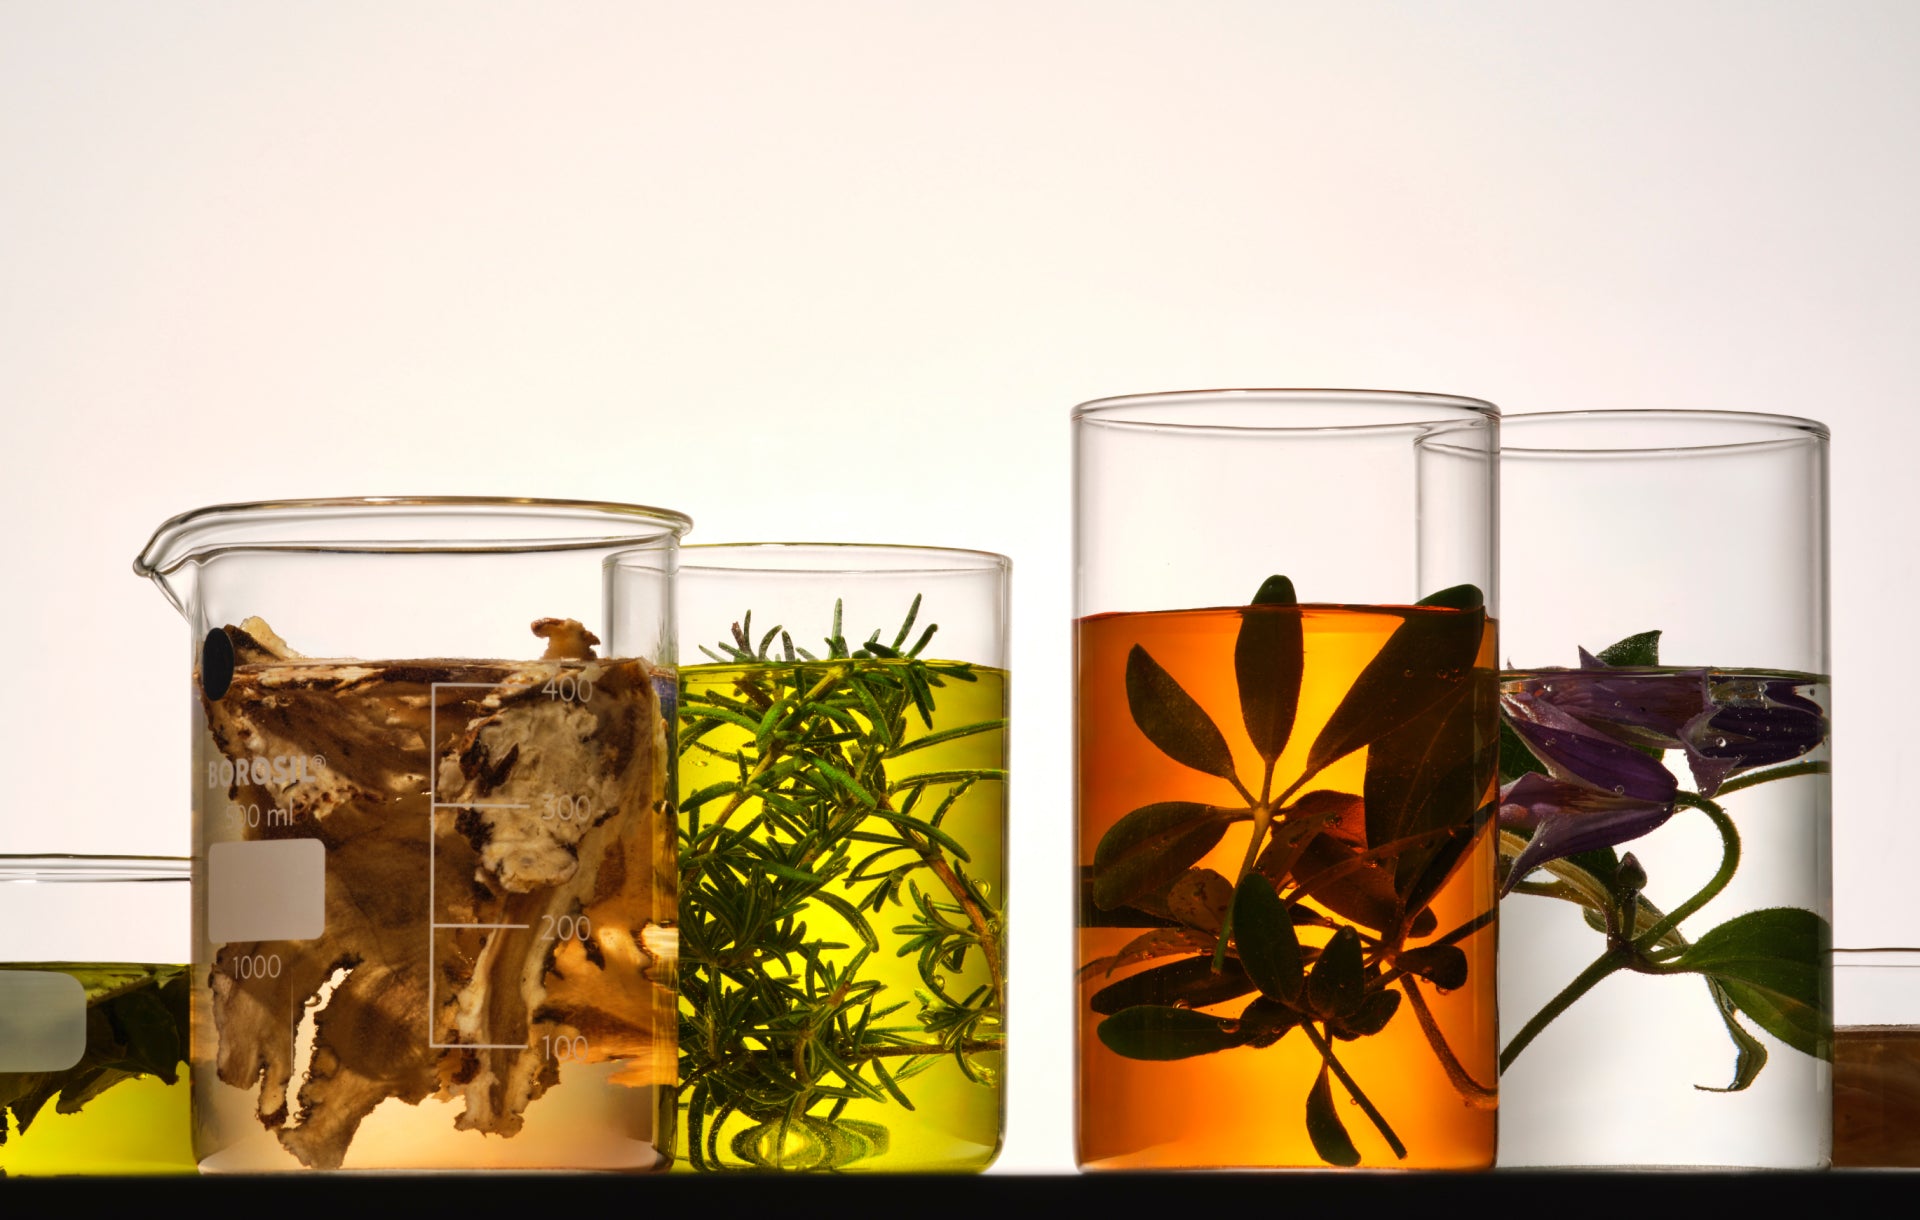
[{"x": 264, "y": 769}]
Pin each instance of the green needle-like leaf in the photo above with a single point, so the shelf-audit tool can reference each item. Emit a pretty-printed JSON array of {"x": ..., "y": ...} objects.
[
  {"x": 1171, "y": 719},
  {"x": 1329, "y": 1134},
  {"x": 1268, "y": 659}
]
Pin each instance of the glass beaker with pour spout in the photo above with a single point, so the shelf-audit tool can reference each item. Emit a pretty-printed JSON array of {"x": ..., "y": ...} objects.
[{"x": 433, "y": 898}]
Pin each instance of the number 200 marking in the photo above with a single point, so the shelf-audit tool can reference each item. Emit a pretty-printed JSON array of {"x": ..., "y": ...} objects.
[{"x": 565, "y": 927}]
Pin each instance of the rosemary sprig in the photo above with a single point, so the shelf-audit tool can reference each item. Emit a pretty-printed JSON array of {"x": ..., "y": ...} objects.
[{"x": 780, "y": 1022}]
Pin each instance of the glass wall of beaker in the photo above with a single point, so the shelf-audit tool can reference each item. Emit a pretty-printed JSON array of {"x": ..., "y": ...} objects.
[
  {"x": 1285, "y": 738},
  {"x": 432, "y": 905},
  {"x": 843, "y": 869},
  {"x": 1664, "y": 826},
  {"x": 94, "y": 1016}
]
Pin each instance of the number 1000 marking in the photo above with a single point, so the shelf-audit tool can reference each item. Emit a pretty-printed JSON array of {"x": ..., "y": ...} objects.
[{"x": 256, "y": 966}]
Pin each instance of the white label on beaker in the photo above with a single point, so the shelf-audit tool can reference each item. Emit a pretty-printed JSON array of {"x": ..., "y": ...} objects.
[
  {"x": 43, "y": 1021},
  {"x": 271, "y": 889}
]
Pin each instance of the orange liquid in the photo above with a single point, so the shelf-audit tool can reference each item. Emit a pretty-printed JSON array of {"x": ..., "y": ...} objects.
[{"x": 1246, "y": 1107}]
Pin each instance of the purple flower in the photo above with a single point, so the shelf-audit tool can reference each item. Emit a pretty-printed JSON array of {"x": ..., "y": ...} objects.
[
  {"x": 1597, "y": 792},
  {"x": 1568, "y": 818},
  {"x": 1725, "y": 724},
  {"x": 1577, "y": 752},
  {"x": 1756, "y": 723}
]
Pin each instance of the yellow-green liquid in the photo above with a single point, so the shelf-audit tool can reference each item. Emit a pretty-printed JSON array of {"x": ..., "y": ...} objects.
[
  {"x": 956, "y": 1123},
  {"x": 139, "y": 1125}
]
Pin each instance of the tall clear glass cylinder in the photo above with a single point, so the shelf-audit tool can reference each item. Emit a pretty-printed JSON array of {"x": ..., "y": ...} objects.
[
  {"x": 1665, "y": 978},
  {"x": 843, "y": 875},
  {"x": 1285, "y": 734},
  {"x": 432, "y": 892}
]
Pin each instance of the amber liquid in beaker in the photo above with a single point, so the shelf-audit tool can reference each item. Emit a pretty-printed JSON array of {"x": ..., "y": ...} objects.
[
  {"x": 1876, "y": 1096},
  {"x": 1246, "y": 1106}
]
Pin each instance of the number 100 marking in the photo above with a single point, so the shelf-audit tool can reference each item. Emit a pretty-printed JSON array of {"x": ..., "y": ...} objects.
[{"x": 563, "y": 1048}]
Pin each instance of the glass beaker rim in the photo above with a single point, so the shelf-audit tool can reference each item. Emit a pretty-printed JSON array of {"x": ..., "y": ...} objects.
[
  {"x": 60, "y": 868},
  {"x": 837, "y": 558},
  {"x": 1286, "y": 411},
  {"x": 1880, "y": 957},
  {"x": 1602, "y": 432},
  {"x": 271, "y": 525}
]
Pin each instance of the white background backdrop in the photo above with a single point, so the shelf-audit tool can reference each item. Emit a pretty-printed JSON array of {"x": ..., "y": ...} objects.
[{"x": 637, "y": 251}]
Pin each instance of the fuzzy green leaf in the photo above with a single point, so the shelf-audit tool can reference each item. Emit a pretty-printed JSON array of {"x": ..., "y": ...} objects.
[
  {"x": 1363, "y": 892},
  {"x": 1329, "y": 1134},
  {"x": 1431, "y": 774},
  {"x": 1749, "y": 1053},
  {"x": 1269, "y": 656},
  {"x": 1370, "y": 1018},
  {"x": 1160, "y": 1033},
  {"x": 1641, "y": 649},
  {"x": 1445, "y": 966},
  {"x": 1772, "y": 965},
  {"x": 1338, "y": 983},
  {"x": 1263, "y": 935},
  {"x": 1426, "y": 659},
  {"x": 1267, "y": 1021},
  {"x": 1456, "y": 597},
  {"x": 1171, "y": 719},
  {"x": 1191, "y": 983},
  {"x": 1151, "y": 846}
]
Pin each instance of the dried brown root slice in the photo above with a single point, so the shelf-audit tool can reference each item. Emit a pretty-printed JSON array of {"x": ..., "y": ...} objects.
[{"x": 590, "y": 839}]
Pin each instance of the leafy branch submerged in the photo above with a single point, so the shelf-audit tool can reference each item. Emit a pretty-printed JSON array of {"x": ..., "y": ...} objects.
[
  {"x": 1371, "y": 864},
  {"x": 781, "y": 1022}
]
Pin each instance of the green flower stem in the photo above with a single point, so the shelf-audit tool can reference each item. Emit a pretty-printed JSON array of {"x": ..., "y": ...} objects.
[
  {"x": 1614, "y": 959},
  {"x": 1729, "y": 861},
  {"x": 1787, "y": 772},
  {"x": 1378, "y": 1119},
  {"x": 1634, "y": 954}
]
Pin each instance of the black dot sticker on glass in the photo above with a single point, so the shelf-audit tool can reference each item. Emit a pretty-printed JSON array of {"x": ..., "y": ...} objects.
[{"x": 216, "y": 664}]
